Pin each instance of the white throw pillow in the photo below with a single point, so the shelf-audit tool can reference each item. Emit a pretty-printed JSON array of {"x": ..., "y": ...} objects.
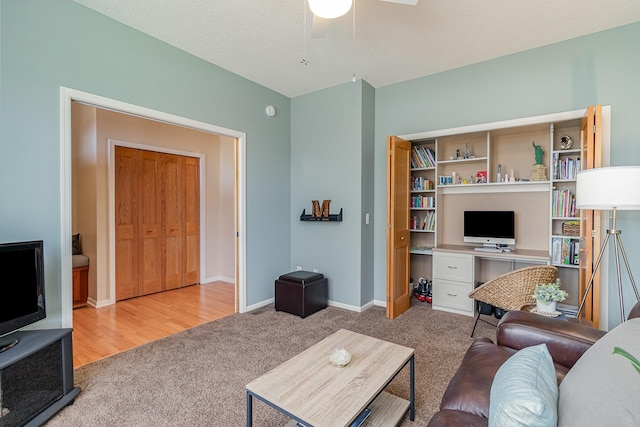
[
  {"x": 603, "y": 387},
  {"x": 524, "y": 391}
]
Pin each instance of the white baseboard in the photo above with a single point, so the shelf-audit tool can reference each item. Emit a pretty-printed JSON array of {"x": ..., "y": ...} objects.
[
  {"x": 231, "y": 280},
  {"x": 331, "y": 303},
  {"x": 260, "y": 304},
  {"x": 379, "y": 303},
  {"x": 97, "y": 304}
]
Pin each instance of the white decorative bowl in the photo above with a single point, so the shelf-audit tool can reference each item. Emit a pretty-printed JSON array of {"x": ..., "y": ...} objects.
[{"x": 340, "y": 357}]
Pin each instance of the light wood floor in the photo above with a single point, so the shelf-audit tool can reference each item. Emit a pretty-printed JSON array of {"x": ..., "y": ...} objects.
[{"x": 102, "y": 332}]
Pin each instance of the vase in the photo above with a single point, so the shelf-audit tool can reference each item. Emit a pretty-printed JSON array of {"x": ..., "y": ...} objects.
[{"x": 546, "y": 308}]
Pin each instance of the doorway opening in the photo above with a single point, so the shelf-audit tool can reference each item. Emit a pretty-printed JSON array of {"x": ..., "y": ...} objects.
[{"x": 68, "y": 97}]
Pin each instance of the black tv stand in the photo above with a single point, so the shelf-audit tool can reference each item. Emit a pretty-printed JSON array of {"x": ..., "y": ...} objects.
[{"x": 36, "y": 377}]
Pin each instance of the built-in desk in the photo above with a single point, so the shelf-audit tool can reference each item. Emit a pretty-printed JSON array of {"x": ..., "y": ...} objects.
[{"x": 455, "y": 273}]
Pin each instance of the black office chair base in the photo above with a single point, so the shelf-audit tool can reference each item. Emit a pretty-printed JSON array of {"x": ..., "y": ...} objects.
[
  {"x": 481, "y": 320},
  {"x": 487, "y": 309}
]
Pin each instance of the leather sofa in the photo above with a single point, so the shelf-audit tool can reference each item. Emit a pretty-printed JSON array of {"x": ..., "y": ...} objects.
[{"x": 466, "y": 399}]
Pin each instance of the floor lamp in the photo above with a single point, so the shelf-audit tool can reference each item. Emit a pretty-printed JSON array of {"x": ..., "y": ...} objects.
[{"x": 613, "y": 189}]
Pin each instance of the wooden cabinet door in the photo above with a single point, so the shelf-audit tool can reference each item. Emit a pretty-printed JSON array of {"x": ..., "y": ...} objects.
[
  {"x": 157, "y": 222},
  {"x": 126, "y": 223},
  {"x": 591, "y": 157},
  {"x": 150, "y": 248},
  {"x": 191, "y": 211},
  {"x": 171, "y": 194},
  {"x": 398, "y": 174}
]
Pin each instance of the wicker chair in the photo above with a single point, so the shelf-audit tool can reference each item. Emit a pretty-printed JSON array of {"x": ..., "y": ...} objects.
[{"x": 512, "y": 290}]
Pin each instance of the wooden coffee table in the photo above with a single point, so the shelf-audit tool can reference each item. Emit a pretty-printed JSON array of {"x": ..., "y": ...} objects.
[{"x": 312, "y": 391}]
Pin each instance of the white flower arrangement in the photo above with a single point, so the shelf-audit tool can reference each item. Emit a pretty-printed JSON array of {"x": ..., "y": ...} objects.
[{"x": 547, "y": 293}]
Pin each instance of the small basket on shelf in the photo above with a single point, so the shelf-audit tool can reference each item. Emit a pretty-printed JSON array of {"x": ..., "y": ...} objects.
[{"x": 571, "y": 228}]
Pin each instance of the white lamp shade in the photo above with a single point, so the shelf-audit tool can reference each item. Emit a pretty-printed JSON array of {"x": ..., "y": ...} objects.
[
  {"x": 607, "y": 188},
  {"x": 330, "y": 9}
]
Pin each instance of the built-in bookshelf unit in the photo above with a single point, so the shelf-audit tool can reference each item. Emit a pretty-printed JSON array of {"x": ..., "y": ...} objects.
[
  {"x": 423, "y": 202},
  {"x": 566, "y": 161},
  {"x": 493, "y": 166}
]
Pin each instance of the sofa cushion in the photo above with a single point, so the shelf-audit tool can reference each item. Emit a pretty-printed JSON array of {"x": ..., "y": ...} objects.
[
  {"x": 79, "y": 261},
  {"x": 75, "y": 244},
  {"x": 603, "y": 387},
  {"x": 470, "y": 386},
  {"x": 524, "y": 391},
  {"x": 448, "y": 418}
]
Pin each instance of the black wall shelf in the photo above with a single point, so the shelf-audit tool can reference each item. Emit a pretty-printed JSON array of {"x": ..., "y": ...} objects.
[{"x": 331, "y": 217}]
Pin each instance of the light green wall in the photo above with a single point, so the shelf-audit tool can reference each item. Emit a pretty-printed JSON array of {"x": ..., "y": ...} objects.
[
  {"x": 327, "y": 151},
  {"x": 46, "y": 44},
  {"x": 601, "y": 68}
]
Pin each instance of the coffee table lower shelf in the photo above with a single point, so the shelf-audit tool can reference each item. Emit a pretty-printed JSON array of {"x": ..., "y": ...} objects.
[{"x": 386, "y": 410}]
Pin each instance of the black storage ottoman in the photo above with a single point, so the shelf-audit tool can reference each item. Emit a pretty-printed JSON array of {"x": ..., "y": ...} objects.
[{"x": 301, "y": 293}]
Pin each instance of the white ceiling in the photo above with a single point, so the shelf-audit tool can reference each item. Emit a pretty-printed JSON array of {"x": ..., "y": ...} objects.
[{"x": 263, "y": 40}]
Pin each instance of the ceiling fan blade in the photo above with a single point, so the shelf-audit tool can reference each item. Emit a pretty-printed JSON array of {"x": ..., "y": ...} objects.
[{"x": 319, "y": 27}]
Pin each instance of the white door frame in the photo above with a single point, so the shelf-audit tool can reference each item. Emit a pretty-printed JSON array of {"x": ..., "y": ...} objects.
[{"x": 68, "y": 95}]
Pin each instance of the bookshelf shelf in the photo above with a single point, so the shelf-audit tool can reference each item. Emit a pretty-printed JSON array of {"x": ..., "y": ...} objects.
[
  {"x": 496, "y": 187},
  {"x": 421, "y": 251},
  {"x": 472, "y": 160},
  {"x": 565, "y": 265},
  {"x": 418, "y": 230}
]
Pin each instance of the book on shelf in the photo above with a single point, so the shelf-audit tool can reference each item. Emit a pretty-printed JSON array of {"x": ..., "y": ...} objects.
[
  {"x": 413, "y": 222},
  {"x": 423, "y": 202},
  {"x": 565, "y": 167},
  {"x": 429, "y": 222},
  {"x": 565, "y": 251},
  {"x": 422, "y": 157},
  {"x": 563, "y": 204},
  {"x": 420, "y": 183}
]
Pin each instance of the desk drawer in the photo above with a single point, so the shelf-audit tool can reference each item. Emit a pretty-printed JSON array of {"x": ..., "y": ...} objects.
[
  {"x": 453, "y": 267},
  {"x": 452, "y": 295}
]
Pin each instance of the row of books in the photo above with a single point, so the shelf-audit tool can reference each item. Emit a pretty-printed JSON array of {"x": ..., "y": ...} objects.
[
  {"x": 563, "y": 204},
  {"x": 422, "y": 157},
  {"x": 566, "y": 167},
  {"x": 420, "y": 183},
  {"x": 427, "y": 223},
  {"x": 423, "y": 202},
  {"x": 565, "y": 251}
]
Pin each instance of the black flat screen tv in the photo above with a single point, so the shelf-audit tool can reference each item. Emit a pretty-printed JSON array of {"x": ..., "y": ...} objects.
[
  {"x": 491, "y": 228},
  {"x": 22, "y": 299}
]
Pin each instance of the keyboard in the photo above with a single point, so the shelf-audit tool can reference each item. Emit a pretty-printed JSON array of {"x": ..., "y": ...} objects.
[{"x": 492, "y": 250}]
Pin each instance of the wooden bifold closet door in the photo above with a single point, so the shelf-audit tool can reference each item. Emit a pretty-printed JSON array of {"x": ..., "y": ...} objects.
[{"x": 157, "y": 216}]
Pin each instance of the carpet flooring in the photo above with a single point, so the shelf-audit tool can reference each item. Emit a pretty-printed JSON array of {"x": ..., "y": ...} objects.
[{"x": 197, "y": 377}]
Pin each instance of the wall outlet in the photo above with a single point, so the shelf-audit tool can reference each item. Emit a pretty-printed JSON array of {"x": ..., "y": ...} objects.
[
  {"x": 298, "y": 268},
  {"x": 315, "y": 270}
]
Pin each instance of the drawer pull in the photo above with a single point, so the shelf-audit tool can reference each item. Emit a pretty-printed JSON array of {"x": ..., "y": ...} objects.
[
  {"x": 452, "y": 295},
  {"x": 453, "y": 267}
]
